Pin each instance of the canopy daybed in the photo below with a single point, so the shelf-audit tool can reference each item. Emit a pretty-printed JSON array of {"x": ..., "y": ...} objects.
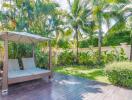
[{"x": 11, "y": 70}]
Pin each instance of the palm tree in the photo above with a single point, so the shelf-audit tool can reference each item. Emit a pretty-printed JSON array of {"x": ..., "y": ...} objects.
[
  {"x": 57, "y": 25},
  {"x": 128, "y": 18},
  {"x": 104, "y": 11},
  {"x": 77, "y": 17},
  {"x": 97, "y": 10},
  {"x": 124, "y": 16}
]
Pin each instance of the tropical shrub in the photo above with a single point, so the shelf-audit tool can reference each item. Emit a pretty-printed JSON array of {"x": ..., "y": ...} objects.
[
  {"x": 91, "y": 57},
  {"x": 41, "y": 59},
  {"x": 66, "y": 58},
  {"x": 120, "y": 73},
  {"x": 19, "y": 50},
  {"x": 87, "y": 58},
  {"x": 63, "y": 44},
  {"x": 114, "y": 55}
]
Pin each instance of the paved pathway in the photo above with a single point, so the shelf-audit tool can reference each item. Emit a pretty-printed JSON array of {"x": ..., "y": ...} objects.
[{"x": 66, "y": 88}]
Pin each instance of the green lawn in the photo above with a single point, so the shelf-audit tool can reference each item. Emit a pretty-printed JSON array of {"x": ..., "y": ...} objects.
[{"x": 83, "y": 71}]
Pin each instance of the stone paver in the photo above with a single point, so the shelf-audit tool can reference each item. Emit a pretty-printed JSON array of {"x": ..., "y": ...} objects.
[{"x": 64, "y": 87}]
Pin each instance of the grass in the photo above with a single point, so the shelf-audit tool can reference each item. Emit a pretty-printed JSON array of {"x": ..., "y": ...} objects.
[{"x": 83, "y": 71}]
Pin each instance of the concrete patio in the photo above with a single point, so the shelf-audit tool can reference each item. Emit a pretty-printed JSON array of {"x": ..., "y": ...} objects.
[{"x": 66, "y": 88}]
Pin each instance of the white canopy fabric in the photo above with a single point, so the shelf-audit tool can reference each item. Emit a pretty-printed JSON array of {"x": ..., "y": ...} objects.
[{"x": 22, "y": 37}]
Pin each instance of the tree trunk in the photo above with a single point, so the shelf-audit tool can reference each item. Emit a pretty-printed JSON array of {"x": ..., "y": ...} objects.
[
  {"x": 99, "y": 39},
  {"x": 76, "y": 30},
  {"x": 108, "y": 25}
]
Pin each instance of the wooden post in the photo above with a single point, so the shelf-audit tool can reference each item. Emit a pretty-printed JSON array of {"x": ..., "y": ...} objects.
[
  {"x": 50, "y": 55},
  {"x": 33, "y": 52},
  {"x": 5, "y": 67}
]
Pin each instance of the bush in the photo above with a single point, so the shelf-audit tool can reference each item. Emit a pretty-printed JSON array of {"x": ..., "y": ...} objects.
[
  {"x": 63, "y": 44},
  {"x": 91, "y": 57},
  {"x": 41, "y": 59},
  {"x": 120, "y": 73},
  {"x": 88, "y": 58},
  {"x": 114, "y": 55},
  {"x": 66, "y": 58}
]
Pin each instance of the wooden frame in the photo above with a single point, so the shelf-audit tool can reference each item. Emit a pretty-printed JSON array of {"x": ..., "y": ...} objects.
[
  {"x": 5, "y": 67},
  {"x": 27, "y": 78},
  {"x": 6, "y": 80}
]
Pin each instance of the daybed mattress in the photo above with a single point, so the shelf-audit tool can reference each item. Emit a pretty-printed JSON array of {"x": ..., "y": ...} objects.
[{"x": 27, "y": 72}]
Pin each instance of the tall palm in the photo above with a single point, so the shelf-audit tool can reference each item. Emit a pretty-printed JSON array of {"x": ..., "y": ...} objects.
[
  {"x": 105, "y": 10},
  {"x": 124, "y": 15},
  {"x": 77, "y": 17},
  {"x": 97, "y": 10},
  {"x": 57, "y": 24},
  {"x": 127, "y": 12}
]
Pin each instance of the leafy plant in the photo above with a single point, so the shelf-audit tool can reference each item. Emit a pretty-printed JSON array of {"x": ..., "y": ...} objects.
[
  {"x": 88, "y": 42},
  {"x": 19, "y": 50},
  {"x": 41, "y": 59},
  {"x": 63, "y": 44},
  {"x": 113, "y": 55},
  {"x": 116, "y": 38},
  {"x": 120, "y": 73},
  {"x": 91, "y": 57},
  {"x": 66, "y": 58},
  {"x": 88, "y": 58}
]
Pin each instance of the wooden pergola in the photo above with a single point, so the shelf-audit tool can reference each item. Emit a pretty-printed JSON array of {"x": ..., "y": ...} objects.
[{"x": 21, "y": 37}]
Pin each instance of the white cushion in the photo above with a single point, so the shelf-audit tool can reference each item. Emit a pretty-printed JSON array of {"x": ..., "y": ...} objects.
[
  {"x": 28, "y": 63},
  {"x": 20, "y": 73},
  {"x": 13, "y": 64},
  {"x": 36, "y": 71},
  {"x": 28, "y": 72}
]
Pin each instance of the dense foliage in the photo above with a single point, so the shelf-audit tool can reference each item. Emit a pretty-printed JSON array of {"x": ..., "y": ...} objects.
[
  {"x": 88, "y": 42},
  {"x": 120, "y": 73},
  {"x": 41, "y": 59},
  {"x": 17, "y": 50},
  {"x": 91, "y": 57},
  {"x": 63, "y": 44},
  {"x": 66, "y": 58},
  {"x": 117, "y": 38}
]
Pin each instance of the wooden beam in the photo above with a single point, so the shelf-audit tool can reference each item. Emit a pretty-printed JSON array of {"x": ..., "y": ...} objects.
[
  {"x": 5, "y": 67},
  {"x": 33, "y": 52},
  {"x": 50, "y": 55},
  {"x": 29, "y": 77}
]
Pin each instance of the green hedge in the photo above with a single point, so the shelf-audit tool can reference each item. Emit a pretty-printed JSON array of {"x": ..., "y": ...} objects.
[
  {"x": 120, "y": 73},
  {"x": 90, "y": 57}
]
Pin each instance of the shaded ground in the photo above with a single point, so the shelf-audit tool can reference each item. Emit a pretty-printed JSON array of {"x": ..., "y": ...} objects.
[
  {"x": 66, "y": 88},
  {"x": 84, "y": 72}
]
